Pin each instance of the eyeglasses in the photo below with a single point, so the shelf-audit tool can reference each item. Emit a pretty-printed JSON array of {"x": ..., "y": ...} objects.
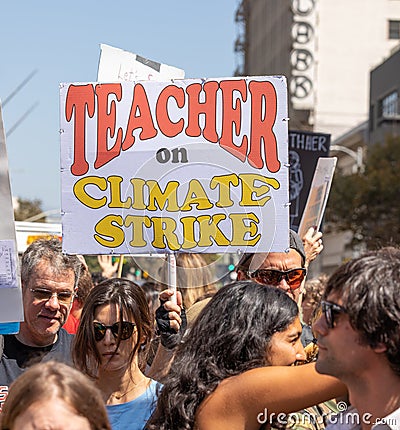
[
  {"x": 330, "y": 310},
  {"x": 42, "y": 294},
  {"x": 120, "y": 330},
  {"x": 293, "y": 277}
]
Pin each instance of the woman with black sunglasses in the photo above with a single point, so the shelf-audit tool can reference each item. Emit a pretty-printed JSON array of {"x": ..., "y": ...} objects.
[{"x": 110, "y": 347}]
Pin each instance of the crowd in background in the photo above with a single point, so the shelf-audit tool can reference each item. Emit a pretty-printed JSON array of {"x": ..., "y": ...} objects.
[{"x": 271, "y": 349}]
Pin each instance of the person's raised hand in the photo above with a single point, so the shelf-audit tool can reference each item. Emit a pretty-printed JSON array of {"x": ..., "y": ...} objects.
[
  {"x": 313, "y": 246},
  {"x": 171, "y": 319},
  {"x": 108, "y": 268}
]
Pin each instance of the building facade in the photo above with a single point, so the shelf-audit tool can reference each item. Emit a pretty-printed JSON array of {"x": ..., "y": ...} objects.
[
  {"x": 325, "y": 48},
  {"x": 384, "y": 111}
]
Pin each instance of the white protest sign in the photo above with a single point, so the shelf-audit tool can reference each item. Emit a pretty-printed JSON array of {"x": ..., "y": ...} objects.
[
  {"x": 118, "y": 65},
  {"x": 318, "y": 195},
  {"x": 11, "y": 309},
  {"x": 193, "y": 165}
]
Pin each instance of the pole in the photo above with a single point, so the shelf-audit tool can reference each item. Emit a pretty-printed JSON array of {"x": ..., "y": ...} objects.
[
  {"x": 120, "y": 265},
  {"x": 172, "y": 274}
]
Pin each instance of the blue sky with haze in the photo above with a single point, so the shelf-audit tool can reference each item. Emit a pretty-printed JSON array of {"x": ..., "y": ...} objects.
[{"x": 60, "y": 42}]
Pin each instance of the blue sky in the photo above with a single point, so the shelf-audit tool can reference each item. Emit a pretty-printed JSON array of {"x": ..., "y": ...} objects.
[{"x": 60, "y": 42}]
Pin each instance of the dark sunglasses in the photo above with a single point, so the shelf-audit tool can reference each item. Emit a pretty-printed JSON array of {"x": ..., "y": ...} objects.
[
  {"x": 330, "y": 310},
  {"x": 41, "y": 294},
  {"x": 293, "y": 277},
  {"x": 120, "y": 330}
]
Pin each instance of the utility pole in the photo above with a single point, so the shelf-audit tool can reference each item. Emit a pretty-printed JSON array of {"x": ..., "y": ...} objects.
[{"x": 13, "y": 94}]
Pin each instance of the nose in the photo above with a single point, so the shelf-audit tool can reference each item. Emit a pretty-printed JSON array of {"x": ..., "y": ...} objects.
[
  {"x": 53, "y": 302},
  {"x": 283, "y": 285},
  {"x": 300, "y": 353},
  {"x": 320, "y": 327},
  {"x": 109, "y": 338}
]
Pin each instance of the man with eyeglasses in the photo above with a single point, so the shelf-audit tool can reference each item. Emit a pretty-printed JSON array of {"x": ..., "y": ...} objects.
[
  {"x": 49, "y": 280},
  {"x": 284, "y": 270},
  {"x": 359, "y": 337}
]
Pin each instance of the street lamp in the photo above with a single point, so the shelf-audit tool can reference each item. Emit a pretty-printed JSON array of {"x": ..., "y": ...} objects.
[
  {"x": 42, "y": 215},
  {"x": 357, "y": 156}
]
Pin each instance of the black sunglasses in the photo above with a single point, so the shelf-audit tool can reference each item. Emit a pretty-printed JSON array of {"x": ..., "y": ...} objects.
[
  {"x": 293, "y": 277},
  {"x": 330, "y": 310},
  {"x": 120, "y": 330}
]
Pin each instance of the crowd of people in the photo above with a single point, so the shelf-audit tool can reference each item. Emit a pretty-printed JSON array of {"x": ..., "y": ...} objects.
[{"x": 270, "y": 350}]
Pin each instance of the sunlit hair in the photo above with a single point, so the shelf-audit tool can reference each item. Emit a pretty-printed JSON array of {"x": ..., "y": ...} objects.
[
  {"x": 231, "y": 335},
  {"x": 193, "y": 277},
  {"x": 369, "y": 287},
  {"x": 55, "y": 380},
  {"x": 85, "y": 284},
  {"x": 49, "y": 251},
  {"x": 131, "y": 302},
  {"x": 312, "y": 296}
]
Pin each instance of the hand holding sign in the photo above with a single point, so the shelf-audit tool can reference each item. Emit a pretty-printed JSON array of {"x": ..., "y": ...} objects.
[{"x": 313, "y": 246}]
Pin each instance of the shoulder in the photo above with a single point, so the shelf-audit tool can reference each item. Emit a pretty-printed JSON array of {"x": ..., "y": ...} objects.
[
  {"x": 64, "y": 342},
  {"x": 61, "y": 350},
  {"x": 65, "y": 337},
  {"x": 348, "y": 419},
  {"x": 12, "y": 347},
  {"x": 155, "y": 387},
  {"x": 149, "y": 397},
  {"x": 11, "y": 365}
]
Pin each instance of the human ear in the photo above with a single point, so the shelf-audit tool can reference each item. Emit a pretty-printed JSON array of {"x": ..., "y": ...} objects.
[{"x": 380, "y": 348}]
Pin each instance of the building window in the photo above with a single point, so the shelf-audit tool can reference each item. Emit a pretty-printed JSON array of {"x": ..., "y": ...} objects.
[
  {"x": 389, "y": 106},
  {"x": 394, "y": 29}
]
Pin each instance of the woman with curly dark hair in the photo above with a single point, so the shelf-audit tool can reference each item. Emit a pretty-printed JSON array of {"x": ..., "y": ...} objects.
[
  {"x": 234, "y": 369},
  {"x": 111, "y": 347}
]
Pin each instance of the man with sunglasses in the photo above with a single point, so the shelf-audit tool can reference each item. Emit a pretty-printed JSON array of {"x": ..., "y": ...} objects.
[
  {"x": 359, "y": 337},
  {"x": 49, "y": 280},
  {"x": 284, "y": 270}
]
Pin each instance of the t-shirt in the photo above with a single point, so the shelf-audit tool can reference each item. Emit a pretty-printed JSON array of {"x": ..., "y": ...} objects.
[
  {"x": 18, "y": 356},
  {"x": 133, "y": 415}
]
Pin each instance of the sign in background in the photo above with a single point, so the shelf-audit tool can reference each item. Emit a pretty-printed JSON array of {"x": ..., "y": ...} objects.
[
  {"x": 318, "y": 195},
  {"x": 190, "y": 165},
  {"x": 11, "y": 310},
  {"x": 116, "y": 64},
  {"x": 304, "y": 150}
]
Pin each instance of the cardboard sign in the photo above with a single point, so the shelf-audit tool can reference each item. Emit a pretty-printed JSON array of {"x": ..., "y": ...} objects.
[
  {"x": 319, "y": 193},
  {"x": 11, "y": 309},
  {"x": 305, "y": 149},
  {"x": 118, "y": 65},
  {"x": 192, "y": 165}
]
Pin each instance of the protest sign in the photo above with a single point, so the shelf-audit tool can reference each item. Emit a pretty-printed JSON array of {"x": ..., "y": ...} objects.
[
  {"x": 318, "y": 196},
  {"x": 11, "y": 310},
  {"x": 305, "y": 148},
  {"x": 118, "y": 65},
  {"x": 192, "y": 165}
]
